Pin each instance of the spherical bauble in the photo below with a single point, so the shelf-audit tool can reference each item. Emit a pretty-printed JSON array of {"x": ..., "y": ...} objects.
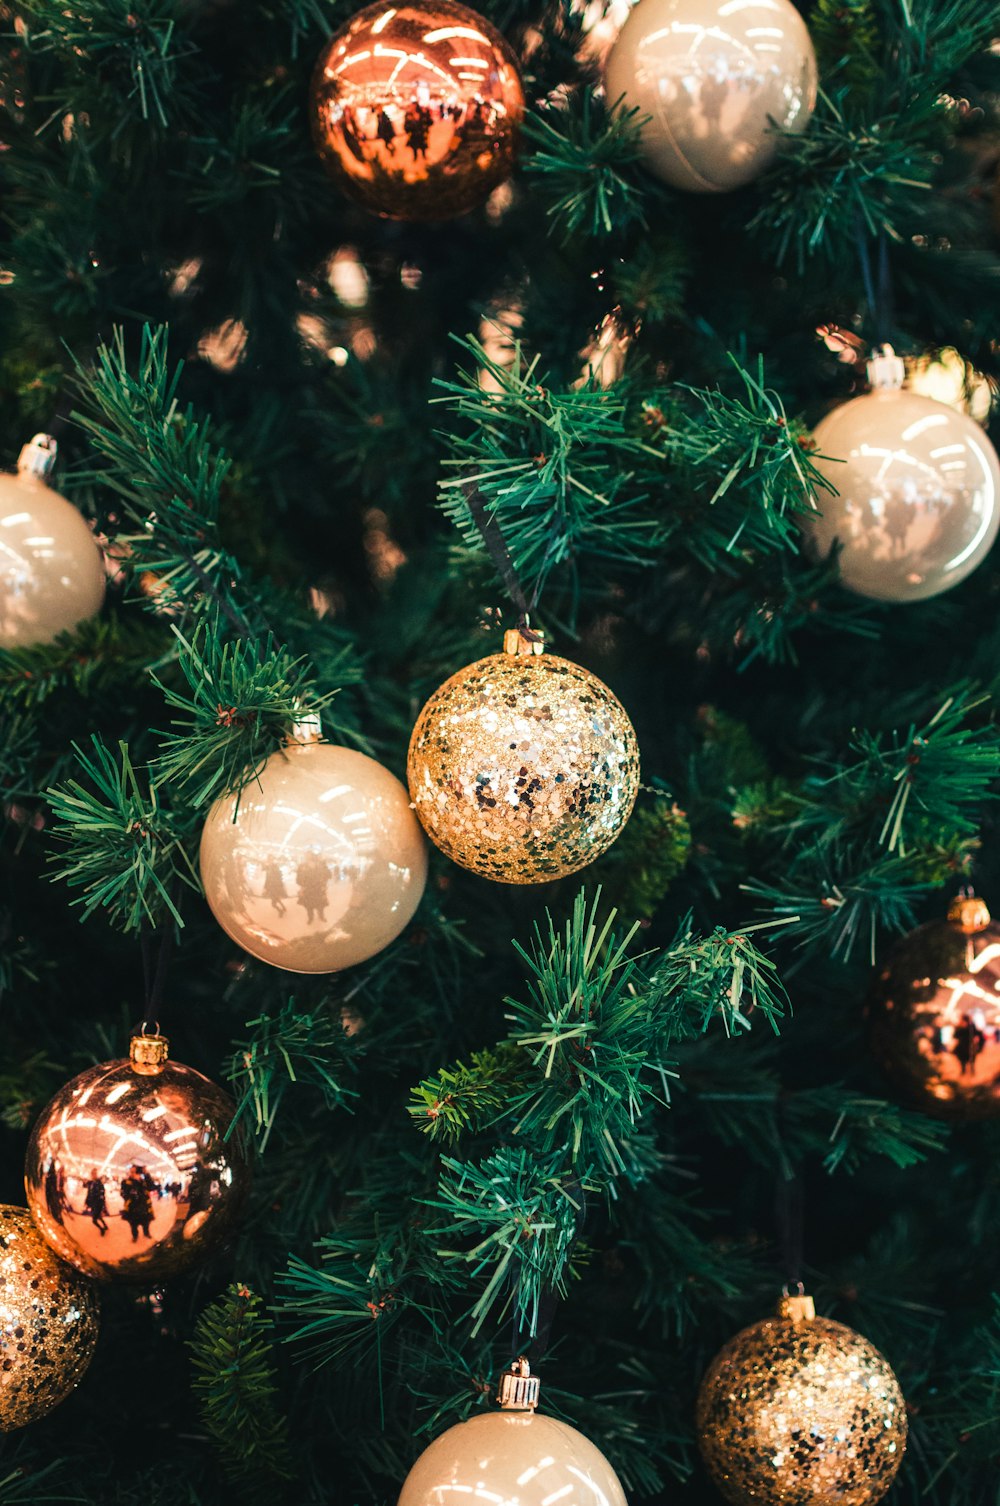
[
  {"x": 415, "y": 110},
  {"x": 934, "y": 1016},
  {"x": 51, "y": 569},
  {"x": 507, "y": 1457},
  {"x": 130, "y": 1175},
  {"x": 523, "y": 768},
  {"x": 318, "y": 863},
  {"x": 718, "y": 82},
  {"x": 917, "y": 503},
  {"x": 801, "y": 1412},
  {"x": 48, "y": 1323}
]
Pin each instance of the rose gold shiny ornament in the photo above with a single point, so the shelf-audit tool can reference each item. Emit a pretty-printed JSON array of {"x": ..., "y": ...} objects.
[
  {"x": 801, "y": 1411},
  {"x": 130, "y": 1175},
  {"x": 318, "y": 864},
  {"x": 719, "y": 83},
  {"x": 523, "y": 766},
  {"x": 48, "y": 1323},
  {"x": 934, "y": 1015},
  {"x": 514, "y": 1455},
  {"x": 416, "y": 108},
  {"x": 51, "y": 568}
]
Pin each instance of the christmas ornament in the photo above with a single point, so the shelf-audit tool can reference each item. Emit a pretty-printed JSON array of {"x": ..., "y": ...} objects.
[
  {"x": 415, "y": 110},
  {"x": 130, "y": 1174},
  {"x": 48, "y": 1323},
  {"x": 934, "y": 1015},
  {"x": 512, "y": 1456},
  {"x": 918, "y": 493},
  {"x": 718, "y": 82},
  {"x": 51, "y": 569},
  {"x": 318, "y": 863},
  {"x": 801, "y": 1411},
  {"x": 523, "y": 766}
]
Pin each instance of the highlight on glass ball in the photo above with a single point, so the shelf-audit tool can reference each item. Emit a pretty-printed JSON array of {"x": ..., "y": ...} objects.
[
  {"x": 318, "y": 863},
  {"x": 132, "y": 1173},
  {"x": 715, "y": 85},
  {"x": 416, "y": 108}
]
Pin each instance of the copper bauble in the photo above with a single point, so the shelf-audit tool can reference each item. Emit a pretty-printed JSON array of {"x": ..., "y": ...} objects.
[
  {"x": 716, "y": 82},
  {"x": 801, "y": 1411},
  {"x": 48, "y": 1323},
  {"x": 415, "y": 109},
  {"x": 51, "y": 569},
  {"x": 130, "y": 1174},
  {"x": 523, "y": 767},
  {"x": 917, "y": 503},
  {"x": 318, "y": 864},
  {"x": 934, "y": 1015}
]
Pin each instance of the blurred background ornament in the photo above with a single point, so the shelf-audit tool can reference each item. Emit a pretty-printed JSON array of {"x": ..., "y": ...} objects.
[
  {"x": 523, "y": 766},
  {"x": 415, "y": 110},
  {"x": 917, "y": 503},
  {"x": 48, "y": 1323},
  {"x": 934, "y": 1015},
  {"x": 799, "y": 1409},
  {"x": 51, "y": 567},
  {"x": 129, "y": 1173},
  {"x": 718, "y": 82},
  {"x": 318, "y": 863}
]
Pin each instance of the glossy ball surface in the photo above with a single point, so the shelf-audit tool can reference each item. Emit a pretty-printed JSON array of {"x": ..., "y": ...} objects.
[
  {"x": 415, "y": 109},
  {"x": 917, "y": 505},
  {"x": 718, "y": 82},
  {"x": 51, "y": 569},
  {"x": 318, "y": 864},
  {"x": 523, "y": 768}
]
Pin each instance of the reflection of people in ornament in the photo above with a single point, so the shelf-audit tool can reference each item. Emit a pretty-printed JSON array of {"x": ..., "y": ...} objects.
[
  {"x": 199, "y": 1189},
  {"x": 386, "y": 132},
  {"x": 313, "y": 877},
  {"x": 55, "y": 1199},
  {"x": 138, "y": 1210},
  {"x": 274, "y": 885},
  {"x": 95, "y": 1204}
]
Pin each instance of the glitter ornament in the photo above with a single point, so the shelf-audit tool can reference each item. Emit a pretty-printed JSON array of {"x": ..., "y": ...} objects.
[
  {"x": 48, "y": 1323},
  {"x": 934, "y": 1015},
  {"x": 801, "y": 1411},
  {"x": 715, "y": 84},
  {"x": 318, "y": 863},
  {"x": 917, "y": 503},
  {"x": 513, "y": 1456},
  {"x": 51, "y": 569},
  {"x": 415, "y": 110},
  {"x": 523, "y": 766},
  {"x": 130, "y": 1175}
]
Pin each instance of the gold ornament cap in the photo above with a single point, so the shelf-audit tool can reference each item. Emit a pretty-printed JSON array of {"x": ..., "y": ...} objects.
[
  {"x": 519, "y": 1389},
  {"x": 37, "y": 457},
  {"x": 147, "y": 1053},
  {"x": 969, "y": 914},
  {"x": 524, "y": 642},
  {"x": 797, "y": 1306},
  {"x": 886, "y": 370}
]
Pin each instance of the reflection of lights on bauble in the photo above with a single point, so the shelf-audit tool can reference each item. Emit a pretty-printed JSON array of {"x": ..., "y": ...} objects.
[
  {"x": 132, "y": 1173},
  {"x": 719, "y": 82},
  {"x": 319, "y": 862},
  {"x": 416, "y": 109},
  {"x": 52, "y": 571}
]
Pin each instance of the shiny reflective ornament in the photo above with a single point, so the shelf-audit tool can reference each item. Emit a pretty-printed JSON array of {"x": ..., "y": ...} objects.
[
  {"x": 129, "y": 1174},
  {"x": 514, "y": 1457},
  {"x": 934, "y": 1015},
  {"x": 51, "y": 568},
  {"x": 801, "y": 1411},
  {"x": 318, "y": 864},
  {"x": 719, "y": 82},
  {"x": 416, "y": 108},
  {"x": 48, "y": 1323},
  {"x": 523, "y": 766},
  {"x": 917, "y": 503}
]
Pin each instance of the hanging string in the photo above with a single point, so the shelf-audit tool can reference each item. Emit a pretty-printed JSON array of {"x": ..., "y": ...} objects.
[
  {"x": 496, "y": 548},
  {"x": 789, "y": 1218},
  {"x": 879, "y": 298},
  {"x": 155, "y": 964}
]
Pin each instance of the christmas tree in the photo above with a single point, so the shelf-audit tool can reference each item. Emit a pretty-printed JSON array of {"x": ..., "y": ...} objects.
[{"x": 366, "y": 340}]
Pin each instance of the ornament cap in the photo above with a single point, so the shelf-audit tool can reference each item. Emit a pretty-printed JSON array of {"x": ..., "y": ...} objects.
[
  {"x": 523, "y": 642},
  {"x": 797, "y": 1306},
  {"x": 886, "y": 370},
  {"x": 306, "y": 729},
  {"x": 969, "y": 914},
  {"x": 37, "y": 457},
  {"x": 147, "y": 1053},
  {"x": 519, "y": 1389}
]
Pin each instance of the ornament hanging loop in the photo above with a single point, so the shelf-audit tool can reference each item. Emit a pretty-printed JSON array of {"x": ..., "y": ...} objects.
[
  {"x": 519, "y": 1389},
  {"x": 37, "y": 457},
  {"x": 796, "y": 1305}
]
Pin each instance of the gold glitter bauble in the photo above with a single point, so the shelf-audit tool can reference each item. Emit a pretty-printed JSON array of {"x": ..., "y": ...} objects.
[
  {"x": 801, "y": 1411},
  {"x": 934, "y": 1015},
  {"x": 48, "y": 1323},
  {"x": 415, "y": 109},
  {"x": 318, "y": 864},
  {"x": 129, "y": 1174},
  {"x": 51, "y": 569},
  {"x": 523, "y": 767}
]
